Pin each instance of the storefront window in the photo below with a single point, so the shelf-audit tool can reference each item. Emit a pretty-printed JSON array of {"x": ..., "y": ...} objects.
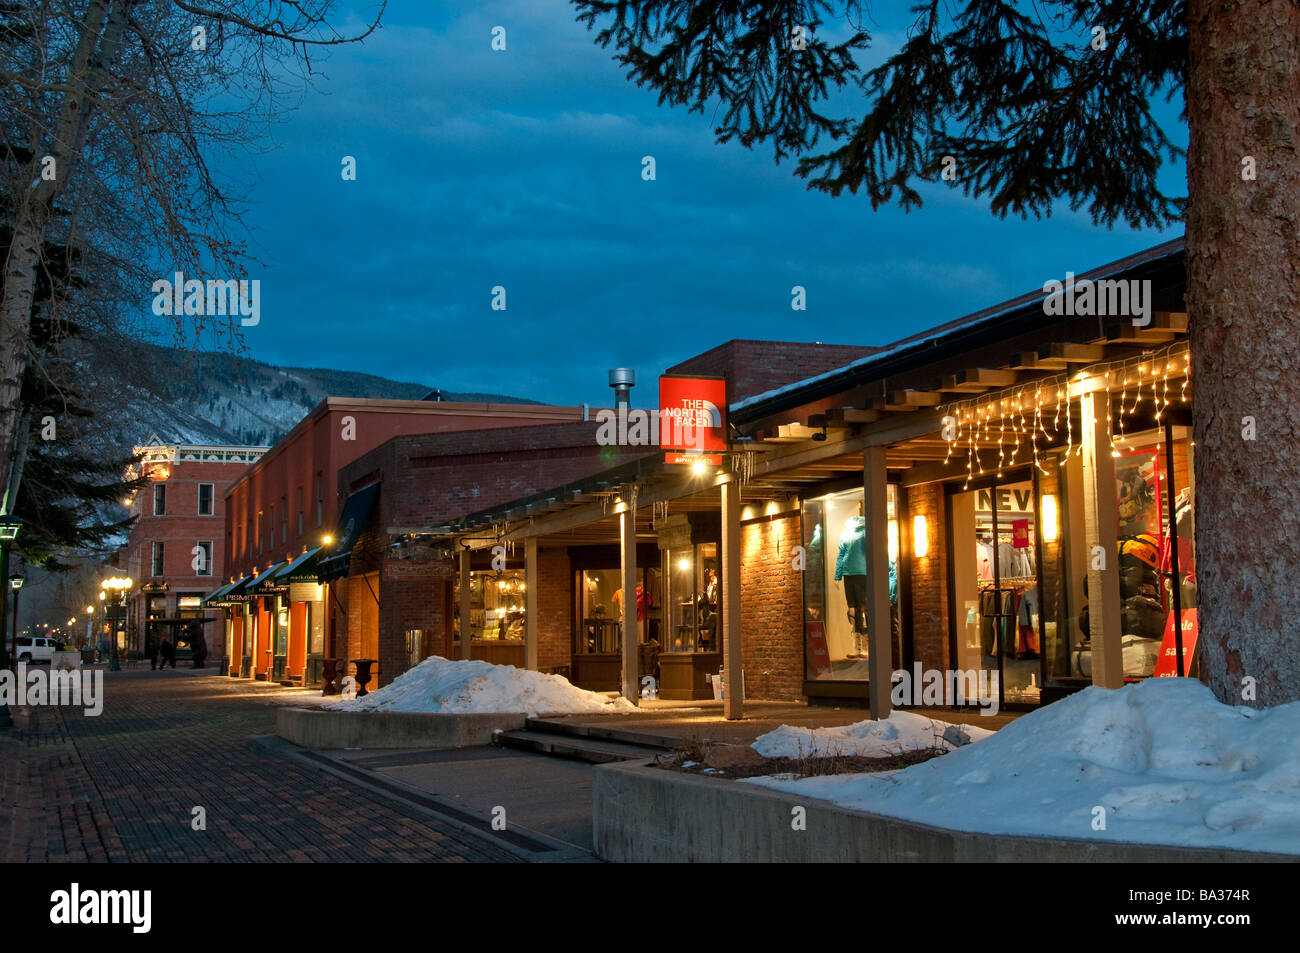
[
  {"x": 999, "y": 599},
  {"x": 835, "y": 584},
  {"x": 694, "y": 598},
  {"x": 496, "y": 605},
  {"x": 602, "y": 609},
  {"x": 1144, "y": 483}
]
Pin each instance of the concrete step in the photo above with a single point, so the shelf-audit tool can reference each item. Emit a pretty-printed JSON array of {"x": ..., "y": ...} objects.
[
  {"x": 627, "y": 736},
  {"x": 591, "y": 750}
]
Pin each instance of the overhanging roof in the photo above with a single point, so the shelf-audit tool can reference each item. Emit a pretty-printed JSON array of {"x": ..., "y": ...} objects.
[{"x": 1163, "y": 262}]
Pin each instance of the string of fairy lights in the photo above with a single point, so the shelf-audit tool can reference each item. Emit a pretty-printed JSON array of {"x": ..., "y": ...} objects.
[{"x": 1019, "y": 415}]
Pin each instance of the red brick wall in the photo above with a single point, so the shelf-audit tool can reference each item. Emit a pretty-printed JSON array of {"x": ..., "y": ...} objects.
[
  {"x": 752, "y": 367},
  {"x": 412, "y": 595},
  {"x": 930, "y": 580},
  {"x": 554, "y": 608},
  {"x": 771, "y": 609},
  {"x": 363, "y": 625}
]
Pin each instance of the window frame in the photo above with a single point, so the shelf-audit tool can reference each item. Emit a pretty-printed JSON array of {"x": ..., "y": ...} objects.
[{"x": 212, "y": 499}]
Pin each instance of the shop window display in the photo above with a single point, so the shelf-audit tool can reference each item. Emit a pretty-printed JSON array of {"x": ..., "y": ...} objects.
[
  {"x": 602, "y": 609},
  {"x": 694, "y": 595},
  {"x": 496, "y": 605},
  {"x": 1000, "y": 602},
  {"x": 835, "y": 585},
  {"x": 1145, "y": 477}
]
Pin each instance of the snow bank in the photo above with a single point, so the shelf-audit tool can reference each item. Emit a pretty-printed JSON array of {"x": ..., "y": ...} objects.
[
  {"x": 440, "y": 685},
  {"x": 1164, "y": 761},
  {"x": 902, "y": 731}
]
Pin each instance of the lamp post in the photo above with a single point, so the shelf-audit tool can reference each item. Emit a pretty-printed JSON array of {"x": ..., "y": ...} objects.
[
  {"x": 16, "y": 584},
  {"x": 9, "y": 525},
  {"x": 118, "y": 585},
  {"x": 8, "y": 533}
]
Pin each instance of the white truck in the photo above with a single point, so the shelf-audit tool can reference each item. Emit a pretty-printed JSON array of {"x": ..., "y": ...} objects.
[{"x": 36, "y": 649}]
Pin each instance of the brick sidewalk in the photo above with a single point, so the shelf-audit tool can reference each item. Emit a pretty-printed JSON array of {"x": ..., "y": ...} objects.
[{"x": 122, "y": 786}]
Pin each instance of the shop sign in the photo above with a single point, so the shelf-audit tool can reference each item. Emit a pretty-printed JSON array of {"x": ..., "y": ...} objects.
[
  {"x": 1167, "y": 664},
  {"x": 693, "y": 419},
  {"x": 1020, "y": 534}
]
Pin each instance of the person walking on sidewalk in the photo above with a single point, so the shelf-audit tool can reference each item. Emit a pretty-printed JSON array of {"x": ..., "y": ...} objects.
[{"x": 168, "y": 653}]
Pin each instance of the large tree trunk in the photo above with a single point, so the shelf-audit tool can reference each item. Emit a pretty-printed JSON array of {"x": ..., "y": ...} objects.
[
  {"x": 32, "y": 215},
  {"x": 1243, "y": 285}
]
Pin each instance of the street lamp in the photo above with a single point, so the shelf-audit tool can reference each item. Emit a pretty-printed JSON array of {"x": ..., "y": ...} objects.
[
  {"x": 9, "y": 525},
  {"x": 16, "y": 584},
  {"x": 8, "y": 533},
  {"x": 119, "y": 585}
]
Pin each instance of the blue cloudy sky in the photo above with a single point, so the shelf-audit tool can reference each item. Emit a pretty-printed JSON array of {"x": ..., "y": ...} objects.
[{"x": 523, "y": 169}]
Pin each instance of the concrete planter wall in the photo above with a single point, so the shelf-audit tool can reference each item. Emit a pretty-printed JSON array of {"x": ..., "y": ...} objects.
[
  {"x": 314, "y": 728},
  {"x": 645, "y": 814}
]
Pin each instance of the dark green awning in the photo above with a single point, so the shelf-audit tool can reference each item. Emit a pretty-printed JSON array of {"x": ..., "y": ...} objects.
[
  {"x": 215, "y": 598},
  {"x": 302, "y": 568},
  {"x": 353, "y": 519}
]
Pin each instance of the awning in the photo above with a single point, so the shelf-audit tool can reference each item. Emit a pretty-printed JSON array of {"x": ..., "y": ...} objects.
[
  {"x": 231, "y": 595},
  {"x": 265, "y": 583},
  {"x": 214, "y": 599},
  {"x": 302, "y": 568},
  {"x": 353, "y": 519}
]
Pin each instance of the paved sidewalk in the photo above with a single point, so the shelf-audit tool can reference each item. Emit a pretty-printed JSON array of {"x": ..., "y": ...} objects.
[{"x": 122, "y": 786}]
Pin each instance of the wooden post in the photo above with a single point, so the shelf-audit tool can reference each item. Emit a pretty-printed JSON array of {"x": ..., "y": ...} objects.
[
  {"x": 627, "y": 561},
  {"x": 875, "y": 508},
  {"x": 465, "y": 611},
  {"x": 1100, "y": 524},
  {"x": 530, "y": 603},
  {"x": 732, "y": 656}
]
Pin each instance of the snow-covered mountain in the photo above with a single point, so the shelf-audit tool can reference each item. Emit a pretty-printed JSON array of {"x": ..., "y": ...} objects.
[{"x": 208, "y": 397}]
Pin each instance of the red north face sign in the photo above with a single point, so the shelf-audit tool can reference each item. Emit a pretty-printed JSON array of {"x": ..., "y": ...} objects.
[{"x": 693, "y": 414}]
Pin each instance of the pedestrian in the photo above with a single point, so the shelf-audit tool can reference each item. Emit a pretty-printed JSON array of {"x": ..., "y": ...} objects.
[
  {"x": 155, "y": 648},
  {"x": 168, "y": 653}
]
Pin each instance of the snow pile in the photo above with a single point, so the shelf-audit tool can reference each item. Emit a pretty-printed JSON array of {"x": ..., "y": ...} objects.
[
  {"x": 1159, "y": 762},
  {"x": 902, "y": 731},
  {"x": 443, "y": 686}
]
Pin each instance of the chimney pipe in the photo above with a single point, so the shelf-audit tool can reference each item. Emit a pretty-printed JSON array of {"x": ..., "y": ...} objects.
[{"x": 622, "y": 379}]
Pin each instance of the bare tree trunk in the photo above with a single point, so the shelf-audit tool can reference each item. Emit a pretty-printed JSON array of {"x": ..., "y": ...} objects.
[
  {"x": 32, "y": 215},
  {"x": 1243, "y": 295}
]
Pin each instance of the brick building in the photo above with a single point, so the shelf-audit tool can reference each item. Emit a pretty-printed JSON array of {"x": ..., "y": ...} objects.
[
  {"x": 402, "y": 597},
  {"x": 176, "y": 547},
  {"x": 931, "y": 504},
  {"x": 282, "y": 510},
  {"x": 398, "y": 601}
]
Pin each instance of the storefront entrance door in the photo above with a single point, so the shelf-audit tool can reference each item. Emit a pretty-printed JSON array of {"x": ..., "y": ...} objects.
[{"x": 996, "y": 588}]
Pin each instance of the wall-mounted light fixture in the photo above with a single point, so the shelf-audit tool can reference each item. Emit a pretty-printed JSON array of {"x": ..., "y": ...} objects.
[
  {"x": 1051, "y": 521},
  {"x": 920, "y": 536}
]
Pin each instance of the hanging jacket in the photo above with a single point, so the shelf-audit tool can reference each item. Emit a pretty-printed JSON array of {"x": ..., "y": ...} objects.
[{"x": 852, "y": 559}]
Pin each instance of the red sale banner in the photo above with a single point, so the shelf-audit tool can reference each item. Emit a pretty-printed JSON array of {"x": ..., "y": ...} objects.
[
  {"x": 819, "y": 656},
  {"x": 1020, "y": 534},
  {"x": 1167, "y": 664}
]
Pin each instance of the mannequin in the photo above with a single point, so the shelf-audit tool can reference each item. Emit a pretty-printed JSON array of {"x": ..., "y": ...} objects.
[{"x": 851, "y": 567}]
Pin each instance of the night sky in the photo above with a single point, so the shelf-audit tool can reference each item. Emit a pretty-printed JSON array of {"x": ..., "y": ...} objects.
[{"x": 523, "y": 169}]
